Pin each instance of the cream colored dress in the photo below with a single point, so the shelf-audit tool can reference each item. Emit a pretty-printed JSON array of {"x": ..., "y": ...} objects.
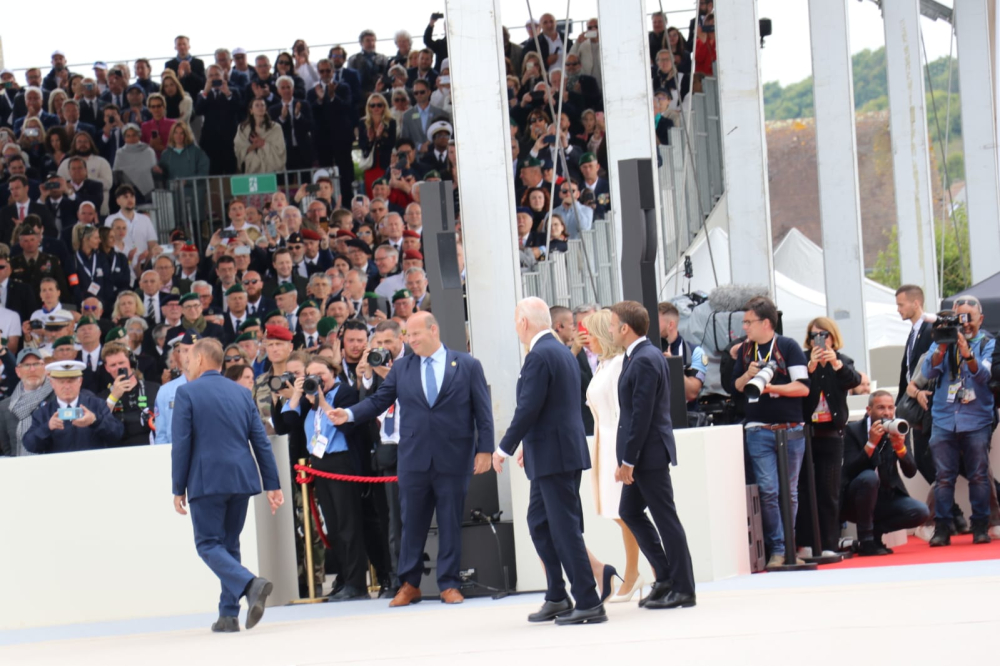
[{"x": 602, "y": 398}]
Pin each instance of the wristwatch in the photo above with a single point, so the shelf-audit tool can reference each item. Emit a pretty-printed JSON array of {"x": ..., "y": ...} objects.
[{"x": 968, "y": 358}]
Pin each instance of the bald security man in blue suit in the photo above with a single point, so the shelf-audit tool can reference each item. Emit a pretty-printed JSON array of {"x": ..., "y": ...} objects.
[
  {"x": 548, "y": 421},
  {"x": 213, "y": 467},
  {"x": 443, "y": 403}
]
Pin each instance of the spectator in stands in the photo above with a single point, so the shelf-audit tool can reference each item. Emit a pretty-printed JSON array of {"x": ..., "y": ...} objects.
[
  {"x": 33, "y": 104},
  {"x": 136, "y": 112},
  {"x": 558, "y": 240},
  {"x": 586, "y": 57},
  {"x": 963, "y": 412},
  {"x": 182, "y": 158},
  {"x": 576, "y": 217},
  {"x": 437, "y": 158},
  {"x": 156, "y": 130},
  {"x": 90, "y": 103},
  {"x": 135, "y": 160},
  {"x": 416, "y": 283},
  {"x": 179, "y": 104},
  {"x": 368, "y": 64},
  {"x": 98, "y": 168},
  {"x": 284, "y": 65},
  {"x": 33, "y": 389},
  {"x": 130, "y": 397},
  {"x": 32, "y": 143},
  {"x": 601, "y": 200},
  {"x": 111, "y": 137},
  {"x": 56, "y": 100},
  {"x": 93, "y": 426},
  {"x": 190, "y": 70},
  {"x": 658, "y": 38},
  {"x": 56, "y": 148},
  {"x": 552, "y": 43},
  {"x": 667, "y": 77},
  {"x": 376, "y": 139},
  {"x": 872, "y": 493},
  {"x": 259, "y": 143},
  {"x": 404, "y": 45},
  {"x": 142, "y": 77},
  {"x": 140, "y": 238},
  {"x": 831, "y": 377},
  {"x": 779, "y": 407},
  {"x": 33, "y": 266},
  {"x": 417, "y": 122},
  {"x": 424, "y": 71},
  {"x": 72, "y": 123},
  {"x": 438, "y": 46},
  {"x": 21, "y": 207},
  {"x": 220, "y": 108},
  {"x": 294, "y": 117},
  {"x": 332, "y": 106},
  {"x": 303, "y": 68},
  {"x": 677, "y": 46},
  {"x": 704, "y": 52}
]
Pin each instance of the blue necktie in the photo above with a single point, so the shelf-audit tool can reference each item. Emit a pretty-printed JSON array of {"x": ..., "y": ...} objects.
[{"x": 432, "y": 387}]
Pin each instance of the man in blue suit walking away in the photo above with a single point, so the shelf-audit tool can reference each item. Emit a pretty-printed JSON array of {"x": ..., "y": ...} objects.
[
  {"x": 215, "y": 470},
  {"x": 645, "y": 451},
  {"x": 441, "y": 402},
  {"x": 548, "y": 421}
]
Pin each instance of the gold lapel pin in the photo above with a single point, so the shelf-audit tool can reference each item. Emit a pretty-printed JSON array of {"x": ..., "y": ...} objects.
[{"x": 454, "y": 363}]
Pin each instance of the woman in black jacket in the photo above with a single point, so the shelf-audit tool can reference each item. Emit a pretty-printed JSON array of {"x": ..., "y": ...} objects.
[{"x": 831, "y": 378}]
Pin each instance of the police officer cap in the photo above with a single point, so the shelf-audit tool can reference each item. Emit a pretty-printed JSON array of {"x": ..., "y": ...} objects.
[
  {"x": 65, "y": 369},
  {"x": 57, "y": 319}
]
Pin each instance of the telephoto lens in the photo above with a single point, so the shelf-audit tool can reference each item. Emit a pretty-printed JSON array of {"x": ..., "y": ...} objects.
[
  {"x": 755, "y": 387},
  {"x": 896, "y": 426},
  {"x": 277, "y": 382}
]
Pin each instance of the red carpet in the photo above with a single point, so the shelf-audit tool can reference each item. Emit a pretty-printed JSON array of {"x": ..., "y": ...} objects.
[{"x": 916, "y": 551}]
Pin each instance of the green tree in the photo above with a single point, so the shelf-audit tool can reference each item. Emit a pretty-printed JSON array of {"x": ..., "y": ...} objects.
[{"x": 956, "y": 256}]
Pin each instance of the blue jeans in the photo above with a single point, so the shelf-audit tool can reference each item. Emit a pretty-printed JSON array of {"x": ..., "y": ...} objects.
[
  {"x": 763, "y": 450},
  {"x": 950, "y": 448}
]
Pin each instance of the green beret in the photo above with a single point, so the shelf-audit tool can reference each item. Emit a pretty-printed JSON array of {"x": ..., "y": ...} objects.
[
  {"x": 326, "y": 326},
  {"x": 371, "y": 294},
  {"x": 248, "y": 323},
  {"x": 380, "y": 181},
  {"x": 286, "y": 288},
  {"x": 274, "y": 313},
  {"x": 243, "y": 337},
  {"x": 84, "y": 321},
  {"x": 115, "y": 334},
  {"x": 587, "y": 157},
  {"x": 433, "y": 173},
  {"x": 401, "y": 294},
  {"x": 306, "y": 304},
  {"x": 236, "y": 289},
  {"x": 64, "y": 340},
  {"x": 530, "y": 162},
  {"x": 187, "y": 298}
]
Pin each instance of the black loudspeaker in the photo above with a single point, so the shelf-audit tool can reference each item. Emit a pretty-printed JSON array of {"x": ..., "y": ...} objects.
[
  {"x": 484, "y": 559},
  {"x": 678, "y": 407},
  {"x": 638, "y": 261},
  {"x": 428, "y": 581},
  {"x": 482, "y": 495}
]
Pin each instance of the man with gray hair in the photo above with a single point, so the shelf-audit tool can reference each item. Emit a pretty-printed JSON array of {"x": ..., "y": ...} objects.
[
  {"x": 296, "y": 121},
  {"x": 548, "y": 420},
  {"x": 390, "y": 279},
  {"x": 15, "y": 412},
  {"x": 318, "y": 289},
  {"x": 416, "y": 282}
]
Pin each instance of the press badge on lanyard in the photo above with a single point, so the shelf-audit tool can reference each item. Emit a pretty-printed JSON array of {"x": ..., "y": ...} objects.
[{"x": 317, "y": 446}]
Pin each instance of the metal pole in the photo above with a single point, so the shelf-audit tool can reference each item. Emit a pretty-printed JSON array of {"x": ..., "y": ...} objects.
[
  {"x": 809, "y": 472},
  {"x": 785, "y": 499}
]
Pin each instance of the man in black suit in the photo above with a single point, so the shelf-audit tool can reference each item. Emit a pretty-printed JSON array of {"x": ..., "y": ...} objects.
[
  {"x": 872, "y": 494},
  {"x": 283, "y": 264},
  {"x": 567, "y": 331},
  {"x": 190, "y": 70},
  {"x": 15, "y": 295},
  {"x": 20, "y": 207},
  {"x": 295, "y": 118},
  {"x": 910, "y": 305},
  {"x": 547, "y": 419},
  {"x": 221, "y": 107},
  {"x": 85, "y": 189},
  {"x": 332, "y": 102},
  {"x": 645, "y": 452}
]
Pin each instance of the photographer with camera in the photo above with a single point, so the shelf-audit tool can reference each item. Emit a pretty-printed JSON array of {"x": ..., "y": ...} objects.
[
  {"x": 872, "y": 494},
  {"x": 772, "y": 372},
  {"x": 333, "y": 449},
  {"x": 130, "y": 397},
  {"x": 962, "y": 414},
  {"x": 831, "y": 378}
]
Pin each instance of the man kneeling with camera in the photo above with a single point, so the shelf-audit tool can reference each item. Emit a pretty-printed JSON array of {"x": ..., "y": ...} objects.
[
  {"x": 333, "y": 449},
  {"x": 872, "y": 494}
]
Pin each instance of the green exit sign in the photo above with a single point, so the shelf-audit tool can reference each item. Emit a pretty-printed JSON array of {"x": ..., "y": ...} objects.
[{"x": 261, "y": 183}]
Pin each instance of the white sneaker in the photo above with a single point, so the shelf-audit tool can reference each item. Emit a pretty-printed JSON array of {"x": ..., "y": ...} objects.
[
  {"x": 994, "y": 532},
  {"x": 830, "y": 553},
  {"x": 805, "y": 551},
  {"x": 925, "y": 532}
]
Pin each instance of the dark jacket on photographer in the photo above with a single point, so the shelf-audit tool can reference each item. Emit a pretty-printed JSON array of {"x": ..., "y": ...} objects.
[
  {"x": 297, "y": 448},
  {"x": 835, "y": 385},
  {"x": 135, "y": 411},
  {"x": 883, "y": 459}
]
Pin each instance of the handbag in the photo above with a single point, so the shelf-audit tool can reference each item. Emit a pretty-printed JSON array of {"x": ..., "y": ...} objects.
[
  {"x": 909, "y": 410},
  {"x": 367, "y": 161}
]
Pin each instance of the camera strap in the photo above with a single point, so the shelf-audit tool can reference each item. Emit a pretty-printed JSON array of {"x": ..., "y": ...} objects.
[{"x": 756, "y": 350}]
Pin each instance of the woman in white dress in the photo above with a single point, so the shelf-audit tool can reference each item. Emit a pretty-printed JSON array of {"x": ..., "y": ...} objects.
[{"x": 602, "y": 397}]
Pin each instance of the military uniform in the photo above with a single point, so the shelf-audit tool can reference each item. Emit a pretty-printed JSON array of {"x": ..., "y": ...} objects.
[{"x": 32, "y": 271}]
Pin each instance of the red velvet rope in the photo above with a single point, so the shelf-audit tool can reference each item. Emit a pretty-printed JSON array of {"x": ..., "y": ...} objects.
[{"x": 311, "y": 473}]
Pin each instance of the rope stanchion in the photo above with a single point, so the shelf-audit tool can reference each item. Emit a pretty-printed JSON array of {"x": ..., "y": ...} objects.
[
  {"x": 307, "y": 532},
  {"x": 306, "y": 475}
]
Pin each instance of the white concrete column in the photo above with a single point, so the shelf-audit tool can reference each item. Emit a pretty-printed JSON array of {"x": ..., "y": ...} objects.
[
  {"x": 486, "y": 186},
  {"x": 910, "y": 156},
  {"x": 837, "y": 163},
  {"x": 744, "y": 144},
  {"x": 628, "y": 107},
  {"x": 979, "y": 136}
]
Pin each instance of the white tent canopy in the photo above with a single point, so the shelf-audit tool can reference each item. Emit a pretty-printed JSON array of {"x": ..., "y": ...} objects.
[{"x": 799, "y": 283}]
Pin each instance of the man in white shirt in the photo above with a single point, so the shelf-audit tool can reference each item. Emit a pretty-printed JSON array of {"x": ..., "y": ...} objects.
[
  {"x": 141, "y": 237},
  {"x": 238, "y": 220},
  {"x": 392, "y": 231},
  {"x": 10, "y": 326},
  {"x": 150, "y": 284},
  {"x": 391, "y": 279}
]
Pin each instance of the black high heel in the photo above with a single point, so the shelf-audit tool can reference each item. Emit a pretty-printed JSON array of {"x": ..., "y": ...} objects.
[{"x": 609, "y": 573}]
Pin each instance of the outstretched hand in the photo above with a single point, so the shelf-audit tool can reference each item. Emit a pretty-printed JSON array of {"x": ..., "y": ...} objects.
[
  {"x": 338, "y": 416},
  {"x": 497, "y": 462}
]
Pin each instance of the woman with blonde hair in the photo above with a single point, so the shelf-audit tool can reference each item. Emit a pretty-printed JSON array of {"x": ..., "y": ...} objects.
[
  {"x": 182, "y": 158},
  {"x": 376, "y": 139},
  {"x": 831, "y": 378},
  {"x": 179, "y": 103},
  {"x": 56, "y": 100},
  {"x": 602, "y": 397},
  {"x": 127, "y": 305}
]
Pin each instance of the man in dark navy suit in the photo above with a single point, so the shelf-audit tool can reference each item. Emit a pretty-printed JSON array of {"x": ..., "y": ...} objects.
[
  {"x": 548, "y": 420},
  {"x": 443, "y": 404},
  {"x": 645, "y": 452},
  {"x": 910, "y": 306},
  {"x": 215, "y": 469}
]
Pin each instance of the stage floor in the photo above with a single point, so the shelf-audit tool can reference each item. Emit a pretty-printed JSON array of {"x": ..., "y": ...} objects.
[{"x": 922, "y": 613}]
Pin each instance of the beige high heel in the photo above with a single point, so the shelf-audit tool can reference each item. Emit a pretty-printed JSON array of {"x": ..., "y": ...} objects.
[{"x": 620, "y": 599}]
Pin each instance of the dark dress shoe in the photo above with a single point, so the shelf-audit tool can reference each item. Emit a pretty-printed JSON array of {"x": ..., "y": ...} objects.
[
  {"x": 657, "y": 590},
  {"x": 387, "y": 592},
  {"x": 350, "y": 593},
  {"x": 871, "y": 547},
  {"x": 226, "y": 624},
  {"x": 256, "y": 593},
  {"x": 550, "y": 610},
  {"x": 590, "y": 615},
  {"x": 672, "y": 600},
  {"x": 942, "y": 534}
]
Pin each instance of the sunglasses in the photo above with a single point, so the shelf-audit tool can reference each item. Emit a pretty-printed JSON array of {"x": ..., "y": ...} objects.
[
  {"x": 233, "y": 359},
  {"x": 376, "y": 106},
  {"x": 251, "y": 282},
  {"x": 156, "y": 106},
  {"x": 967, "y": 301},
  {"x": 90, "y": 308}
]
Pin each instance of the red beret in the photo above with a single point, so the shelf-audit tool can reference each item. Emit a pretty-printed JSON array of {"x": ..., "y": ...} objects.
[
  {"x": 410, "y": 233},
  {"x": 413, "y": 254},
  {"x": 344, "y": 233},
  {"x": 279, "y": 333},
  {"x": 188, "y": 248},
  {"x": 309, "y": 234}
]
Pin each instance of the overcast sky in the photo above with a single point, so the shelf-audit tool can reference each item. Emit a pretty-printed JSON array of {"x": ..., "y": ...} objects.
[{"x": 86, "y": 36}]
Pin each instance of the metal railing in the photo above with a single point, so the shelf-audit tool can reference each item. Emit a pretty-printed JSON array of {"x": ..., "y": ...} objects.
[
  {"x": 569, "y": 278},
  {"x": 198, "y": 205}
]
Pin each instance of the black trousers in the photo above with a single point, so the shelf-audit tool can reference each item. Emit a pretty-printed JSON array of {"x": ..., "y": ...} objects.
[
  {"x": 665, "y": 544},
  {"x": 922, "y": 454},
  {"x": 340, "y": 502},
  {"x": 828, "y": 457},
  {"x": 879, "y": 510}
]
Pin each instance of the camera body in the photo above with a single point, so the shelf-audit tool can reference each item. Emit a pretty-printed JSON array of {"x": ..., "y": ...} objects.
[
  {"x": 37, "y": 324},
  {"x": 51, "y": 185},
  {"x": 227, "y": 234},
  {"x": 947, "y": 325},
  {"x": 436, "y": 16},
  {"x": 896, "y": 426},
  {"x": 311, "y": 385},
  {"x": 378, "y": 357},
  {"x": 755, "y": 387},
  {"x": 277, "y": 382},
  {"x": 70, "y": 413}
]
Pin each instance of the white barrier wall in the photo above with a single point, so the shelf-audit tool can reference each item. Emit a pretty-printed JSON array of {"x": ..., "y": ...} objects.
[
  {"x": 93, "y": 537},
  {"x": 710, "y": 492}
]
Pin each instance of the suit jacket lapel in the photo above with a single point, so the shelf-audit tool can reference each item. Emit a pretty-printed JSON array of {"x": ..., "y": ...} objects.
[
  {"x": 450, "y": 368},
  {"x": 418, "y": 366}
]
